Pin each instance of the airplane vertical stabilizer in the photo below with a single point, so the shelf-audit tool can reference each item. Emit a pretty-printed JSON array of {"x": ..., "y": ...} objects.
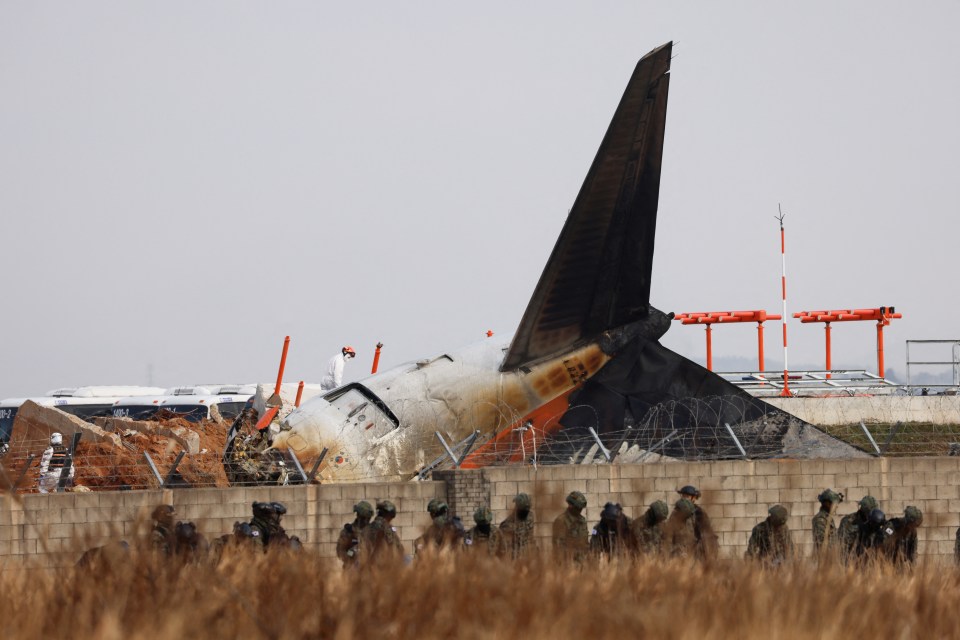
[{"x": 598, "y": 276}]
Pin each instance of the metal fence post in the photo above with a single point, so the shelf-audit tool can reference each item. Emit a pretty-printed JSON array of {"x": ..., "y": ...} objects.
[
  {"x": 603, "y": 449},
  {"x": 735, "y": 440},
  {"x": 870, "y": 438}
]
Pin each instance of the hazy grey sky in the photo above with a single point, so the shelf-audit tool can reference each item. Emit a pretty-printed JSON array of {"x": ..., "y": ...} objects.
[{"x": 183, "y": 184}]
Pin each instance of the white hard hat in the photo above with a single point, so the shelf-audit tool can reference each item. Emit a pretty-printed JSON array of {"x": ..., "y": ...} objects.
[{"x": 56, "y": 438}]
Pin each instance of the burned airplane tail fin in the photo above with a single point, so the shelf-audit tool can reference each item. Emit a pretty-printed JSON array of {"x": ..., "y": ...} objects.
[{"x": 598, "y": 276}]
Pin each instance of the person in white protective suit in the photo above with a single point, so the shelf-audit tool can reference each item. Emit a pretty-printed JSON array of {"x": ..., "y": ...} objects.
[
  {"x": 334, "y": 375},
  {"x": 52, "y": 463}
]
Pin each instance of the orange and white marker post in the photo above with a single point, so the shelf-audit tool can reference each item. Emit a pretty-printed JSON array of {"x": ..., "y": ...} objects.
[{"x": 783, "y": 316}]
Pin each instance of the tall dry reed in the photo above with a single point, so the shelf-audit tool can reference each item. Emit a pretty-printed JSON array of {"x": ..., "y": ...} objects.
[{"x": 132, "y": 596}]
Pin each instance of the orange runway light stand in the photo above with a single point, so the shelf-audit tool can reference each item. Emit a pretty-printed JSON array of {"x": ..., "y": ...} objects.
[
  {"x": 710, "y": 318},
  {"x": 882, "y": 315}
]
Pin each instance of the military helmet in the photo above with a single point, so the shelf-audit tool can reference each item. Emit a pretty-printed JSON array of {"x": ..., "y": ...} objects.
[
  {"x": 386, "y": 507},
  {"x": 522, "y": 501},
  {"x": 242, "y": 530},
  {"x": 263, "y": 509},
  {"x": 279, "y": 508},
  {"x": 778, "y": 515},
  {"x": 363, "y": 509},
  {"x": 483, "y": 515},
  {"x": 877, "y": 517},
  {"x": 912, "y": 514},
  {"x": 829, "y": 495},
  {"x": 660, "y": 510},
  {"x": 610, "y": 511},
  {"x": 577, "y": 500},
  {"x": 868, "y": 503},
  {"x": 689, "y": 490},
  {"x": 432, "y": 506},
  {"x": 685, "y": 507},
  {"x": 163, "y": 513}
]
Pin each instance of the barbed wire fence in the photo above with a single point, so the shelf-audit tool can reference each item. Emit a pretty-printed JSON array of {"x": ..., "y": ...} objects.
[{"x": 718, "y": 428}]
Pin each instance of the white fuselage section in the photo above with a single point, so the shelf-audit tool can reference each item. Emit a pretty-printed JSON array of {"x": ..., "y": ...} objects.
[{"x": 384, "y": 427}]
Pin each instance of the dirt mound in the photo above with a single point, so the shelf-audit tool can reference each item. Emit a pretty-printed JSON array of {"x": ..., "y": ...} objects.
[{"x": 106, "y": 466}]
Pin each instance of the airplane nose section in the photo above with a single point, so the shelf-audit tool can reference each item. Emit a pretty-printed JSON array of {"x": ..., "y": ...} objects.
[{"x": 307, "y": 431}]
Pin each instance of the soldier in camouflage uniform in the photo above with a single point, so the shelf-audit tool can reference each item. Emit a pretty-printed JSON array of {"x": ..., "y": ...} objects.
[
  {"x": 443, "y": 530},
  {"x": 848, "y": 531},
  {"x": 771, "y": 541},
  {"x": 900, "y": 543},
  {"x": 612, "y": 535},
  {"x": 648, "y": 528},
  {"x": 678, "y": 538},
  {"x": 162, "y": 537},
  {"x": 380, "y": 539},
  {"x": 871, "y": 538},
  {"x": 708, "y": 544},
  {"x": 824, "y": 530},
  {"x": 265, "y": 526},
  {"x": 348, "y": 543},
  {"x": 192, "y": 546},
  {"x": 518, "y": 528},
  {"x": 570, "y": 532},
  {"x": 484, "y": 537}
]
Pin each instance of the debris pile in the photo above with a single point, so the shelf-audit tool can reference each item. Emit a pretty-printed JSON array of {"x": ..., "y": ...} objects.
[{"x": 110, "y": 454}]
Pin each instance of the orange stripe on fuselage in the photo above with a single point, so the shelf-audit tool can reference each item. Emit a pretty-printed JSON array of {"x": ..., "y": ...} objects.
[{"x": 509, "y": 445}]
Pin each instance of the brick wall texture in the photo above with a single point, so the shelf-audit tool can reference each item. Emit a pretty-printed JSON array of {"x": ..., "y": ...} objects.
[
  {"x": 54, "y": 529},
  {"x": 736, "y": 494}
]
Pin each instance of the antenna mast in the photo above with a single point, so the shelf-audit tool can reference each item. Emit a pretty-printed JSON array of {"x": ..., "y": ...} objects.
[{"x": 783, "y": 288}]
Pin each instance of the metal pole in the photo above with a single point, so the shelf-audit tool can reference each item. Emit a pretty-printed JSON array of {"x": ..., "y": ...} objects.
[
  {"x": 376, "y": 358},
  {"x": 870, "y": 437},
  {"x": 173, "y": 469},
  {"x": 23, "y": 472},
  {"x": 826, "y": 329},
  {"x": 760, "y": 344},
  {"x": 606, "y": 452},
  {"x": 736, "y": 441},
  {"x": 297, "y": 466},
  {"x": 283, "y": 363},
  {"x": 153, "y": 468},
  {"x": 880, "y": 349},
  {"x": 296, "y": 402},
  {"x": 709, "y": 348},
  {"x": 894, "y": 430},
  {"x": 783, "y": 317},
  {"x": 313, "y": 472},
  {"x": 445, "y": 446},
  {"x": 472, "y": 439},
  {"x": 663, "y": 442}
]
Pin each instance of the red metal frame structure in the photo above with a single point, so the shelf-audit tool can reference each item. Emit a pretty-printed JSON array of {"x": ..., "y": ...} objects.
[
  {"x": 882, "y": 315},
  {"x": 710, "y": 318}
]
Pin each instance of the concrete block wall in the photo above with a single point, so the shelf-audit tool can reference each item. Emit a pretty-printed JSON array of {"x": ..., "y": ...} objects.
[
  {"x": 737, "y": 494},
  {"x": 54, "y": 529}
]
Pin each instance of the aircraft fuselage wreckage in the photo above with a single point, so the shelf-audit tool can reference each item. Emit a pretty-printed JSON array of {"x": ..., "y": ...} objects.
[{"x": 585, "y": 357}]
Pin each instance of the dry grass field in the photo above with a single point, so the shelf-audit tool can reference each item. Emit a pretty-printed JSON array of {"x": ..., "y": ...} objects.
[{"x": 286, "y": 595}]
